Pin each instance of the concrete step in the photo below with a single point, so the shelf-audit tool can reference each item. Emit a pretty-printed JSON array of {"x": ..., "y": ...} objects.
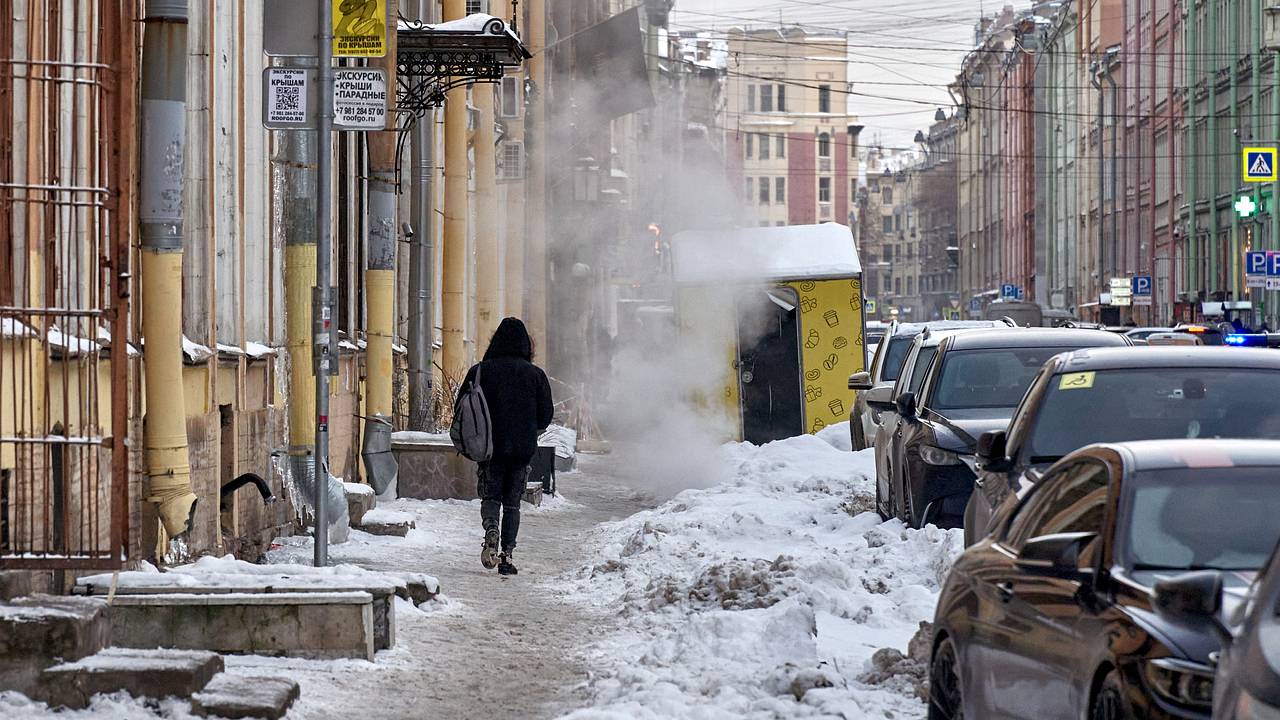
[
  {"x": 384, "y": 621},
  {"x": 319, "y": 625},
  {"x": 43, "y": 630},
  {"x": 147, "y": 673},
  {"x": 380, "y": 521},
  {"x": 240, "y": 696},
  {"x": 360, "y": 500}
]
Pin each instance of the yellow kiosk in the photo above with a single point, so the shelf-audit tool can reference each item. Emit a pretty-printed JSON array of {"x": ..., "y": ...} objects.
[{"x": 781, "y": 310}]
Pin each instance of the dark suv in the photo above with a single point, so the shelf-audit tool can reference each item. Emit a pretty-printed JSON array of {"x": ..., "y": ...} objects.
[
  {"x": 971, "y": 383},
  {"x": 1117, "y": 395}
]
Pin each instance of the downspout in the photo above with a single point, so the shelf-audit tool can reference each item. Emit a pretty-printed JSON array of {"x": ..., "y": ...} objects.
[
  {"x": 1190, "y": 127},
  {"x": 164, "y": 71},
  {"x": 1115, "y": 189},
  {"x": 456, "y": 167},
  {"x": 380, "y": 278},
  {"x": 1233, "y": 66},
  {"x": 1096, "y": 79},
  {"x": 488, "y": 257},
  {"x": 1212, "y": 107},
  {"x": 422, "y": 261},
  {"x": 1275, "y": 187}
]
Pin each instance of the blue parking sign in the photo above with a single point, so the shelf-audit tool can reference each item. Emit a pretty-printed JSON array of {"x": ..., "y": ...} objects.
[
  {"x": 1009, "y": 290},
  {"x": 1141, "y": 284},
  {"x": 1273, "y": 264},
  {"x": 1255, "y": 262}
]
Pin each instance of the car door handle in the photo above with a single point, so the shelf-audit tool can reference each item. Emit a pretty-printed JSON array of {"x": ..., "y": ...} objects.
[{"x": 1005, "y": 589}]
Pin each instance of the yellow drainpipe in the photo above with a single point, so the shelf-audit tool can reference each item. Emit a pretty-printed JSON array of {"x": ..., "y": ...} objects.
[
  {"x": 453, "y": 290},
  {"x": 299, "y": 281},
  {"x": 379, "y": 277},
  {"x": 161, "y": 216},
  {"x": 536, "y": 136},
  {"x": 488, "y": 301}
]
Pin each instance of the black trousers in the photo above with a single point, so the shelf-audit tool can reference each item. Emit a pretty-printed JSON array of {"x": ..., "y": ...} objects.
[{"x": 501, "y": 487}]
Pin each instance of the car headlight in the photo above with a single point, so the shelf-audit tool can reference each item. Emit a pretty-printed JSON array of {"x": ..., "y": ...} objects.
[
  {"x": 937, "y": 456},
  {"x": 1181, "y": 682},
  {"x": 1249, "y": 707}
]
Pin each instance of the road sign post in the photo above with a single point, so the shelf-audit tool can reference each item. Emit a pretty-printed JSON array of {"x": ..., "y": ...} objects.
[
  {"x": 327, "y": 340},
  {"x": 1255, "y": 269},
  {"x": 1142, "y": 290},
  {"x": 1258, "y": 164}
]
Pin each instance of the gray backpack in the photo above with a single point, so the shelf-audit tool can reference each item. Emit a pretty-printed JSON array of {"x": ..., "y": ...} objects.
[{"x": 472, "y": 429}]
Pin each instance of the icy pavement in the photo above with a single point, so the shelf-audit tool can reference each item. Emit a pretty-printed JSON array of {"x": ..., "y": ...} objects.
[
  {"x": 764, "y": 596},
  {"x": 761, "y": 597}
]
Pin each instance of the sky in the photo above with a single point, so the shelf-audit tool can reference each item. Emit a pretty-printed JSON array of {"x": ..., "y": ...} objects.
[{"x": 903, "y": 53}]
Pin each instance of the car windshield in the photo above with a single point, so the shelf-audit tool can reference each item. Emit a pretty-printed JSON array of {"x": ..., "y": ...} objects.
[
  {"x": 895, "y": 355},
  {"x": 989, "y": 378},
  {"x": 1200, "y": 519},
  {"x": 1154, "y": 404}
]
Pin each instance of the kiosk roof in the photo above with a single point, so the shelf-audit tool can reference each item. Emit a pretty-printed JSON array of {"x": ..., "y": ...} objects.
[{"x": 792, "y": 252}]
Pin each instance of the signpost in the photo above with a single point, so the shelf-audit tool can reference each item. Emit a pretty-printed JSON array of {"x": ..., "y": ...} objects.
[
  {"x": 1142, "y": 290},
  {"x": 359, "y": 28},
  {"x": 1121, "y": 292},
  {"x": 360, "y": 99},
  {"x": 1255, "y": 269},
  {"x": 1009, "y": 291},
  {"x": 1258, "y": 164},
  {"x": 1273, "y": 270},
  {"x": 290, "y": 97}
]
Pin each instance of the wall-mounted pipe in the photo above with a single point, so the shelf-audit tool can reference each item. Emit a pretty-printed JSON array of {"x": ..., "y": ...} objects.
[{"x": 164, "y": 67}]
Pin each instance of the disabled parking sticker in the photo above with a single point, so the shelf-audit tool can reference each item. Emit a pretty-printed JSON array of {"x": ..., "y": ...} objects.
[{"x": 1076, "y": 381}]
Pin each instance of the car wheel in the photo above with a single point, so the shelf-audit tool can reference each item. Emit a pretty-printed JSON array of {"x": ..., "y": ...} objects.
[
  {"x": 946, "y": 700},
  {"x": 1110, "y": 704}
]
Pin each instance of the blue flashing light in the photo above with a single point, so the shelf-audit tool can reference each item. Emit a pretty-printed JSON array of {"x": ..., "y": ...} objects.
[{"x": 1241, "y": 340}]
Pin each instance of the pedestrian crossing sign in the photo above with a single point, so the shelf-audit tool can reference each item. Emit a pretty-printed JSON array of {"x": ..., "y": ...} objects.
[{"x": 1259, "y": 164}]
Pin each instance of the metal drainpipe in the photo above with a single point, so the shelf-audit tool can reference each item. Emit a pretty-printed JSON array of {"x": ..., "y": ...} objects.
[
  {"x": 1096, "y": 80},
  {"x": 422, "y": 261},
  {"x": 1192, "y": 177},
  {"x": 1115, "y": 189},
  {"x": 1275, "y": 187},
  {"x": 164, "y": 77},
  {"x": 1255, "y": 77},
  {"x": 1212, "y": 80},
  {"x": 1232, "y": 66}
]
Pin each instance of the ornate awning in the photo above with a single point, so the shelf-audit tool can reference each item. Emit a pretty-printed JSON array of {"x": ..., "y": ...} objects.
[{"x": 431, "y": 60}]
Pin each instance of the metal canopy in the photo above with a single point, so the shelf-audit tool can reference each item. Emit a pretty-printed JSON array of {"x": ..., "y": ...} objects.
[{"x": 431, "y": 60}]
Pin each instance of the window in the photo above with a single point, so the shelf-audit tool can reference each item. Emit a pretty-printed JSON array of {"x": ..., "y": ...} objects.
[
  {"x": 751, "y": 145},
  {"x": 511, "y": 160},
  {"x": 510, "y": 96},
  {"x": 782, "y": 98},
  {"x": 780, "y": 143},
  {"x": 1072, "y": 500},
  {"x": 780, "y": 190},
  {"x": 887, "y": 224},
  {"x": 911, "y": 286},
  {"x": 918, "y": 372},
  {"x": 824, "y": 98},
  {"x": 477, "y": 6},
  {"x": 764, "y": 191},
  {"x": 781, "y": 223},
  {"x": 886, "y": 195},
  {"x": 764, "y": 147},
  {"x": 751, "y": 187},
  {"x": 824, "y": 190},
  {"x": 766, "y": 98},
  {"x": 897, "y": 286},
  {"x": 824, "y": 145},
  {"x": 751, "y": 98}
]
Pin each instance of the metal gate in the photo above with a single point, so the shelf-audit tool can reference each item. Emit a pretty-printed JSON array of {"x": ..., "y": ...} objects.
[{"x": 67, "y": 143}]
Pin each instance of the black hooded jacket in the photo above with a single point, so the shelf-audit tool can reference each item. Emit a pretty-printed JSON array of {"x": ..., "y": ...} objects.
[{"x": 516, "y": 390}]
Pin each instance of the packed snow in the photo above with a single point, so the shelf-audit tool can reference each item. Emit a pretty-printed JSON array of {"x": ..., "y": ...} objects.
[{"x": 767, "y": 595}]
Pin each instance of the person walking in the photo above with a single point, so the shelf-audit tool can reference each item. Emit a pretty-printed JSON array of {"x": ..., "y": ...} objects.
[{"x": 520, "y": 408}]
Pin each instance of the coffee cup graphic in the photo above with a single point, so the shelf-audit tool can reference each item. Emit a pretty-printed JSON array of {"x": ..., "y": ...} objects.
[
  {"x": 832, "y": 318},
  {"x": 837, "y": 407}
]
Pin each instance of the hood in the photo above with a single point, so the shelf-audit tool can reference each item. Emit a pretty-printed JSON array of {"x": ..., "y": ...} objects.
[
  {"x": 959, "y": 430},
  {"x": 511, "y": 339}
]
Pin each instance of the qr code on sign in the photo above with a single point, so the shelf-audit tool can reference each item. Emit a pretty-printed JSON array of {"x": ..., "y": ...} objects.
[{"x": 288, "y": 98}]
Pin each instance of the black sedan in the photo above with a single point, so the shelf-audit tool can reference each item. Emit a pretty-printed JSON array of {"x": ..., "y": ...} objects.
[
  {"x": 971, "y": 383},
  {"x": 1247, "y": 686},
  {"x": 1051, "y": 615},
  {"x": 1116, "y": 395}
]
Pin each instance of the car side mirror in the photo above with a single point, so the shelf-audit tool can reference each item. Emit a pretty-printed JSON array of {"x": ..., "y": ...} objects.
[
  {"x": 860, "y": 381},
  {"x": 878, "y": 398},
  {"x": 1056, "y": 556},
  {"x": 991, "y": 451},
  {"x": 1193, "y": 599},
  {"x": 906, "y": 404}
]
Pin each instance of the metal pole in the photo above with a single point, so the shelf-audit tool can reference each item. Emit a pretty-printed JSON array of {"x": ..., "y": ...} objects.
[
  {"x": 421, "y": 262},
  {"x": 323, "y": 308}
]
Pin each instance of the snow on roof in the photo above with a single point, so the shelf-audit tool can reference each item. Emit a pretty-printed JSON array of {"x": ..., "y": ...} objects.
[
  {"x": 13, "y": 328},
  {"x": 474, "y": 23},
  {"x": 793, "y": 252}
]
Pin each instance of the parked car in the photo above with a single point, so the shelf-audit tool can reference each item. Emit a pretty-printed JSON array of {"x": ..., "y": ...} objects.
[
  {"x": 961, "y": 385},
  {"x": 877, "y": 382},
  {"x": 1051, "y": 615},
  {"x": 1142, "y": 333},
  {"x": 1021, "y": 312},
  {"x": 1115, "y": 395},
  {"x": 1173, "y": 338},
  {"x": 1247, "y": 682},
  {"x": 1208, "y": 334},
  {"x": 875, "y": 333}
]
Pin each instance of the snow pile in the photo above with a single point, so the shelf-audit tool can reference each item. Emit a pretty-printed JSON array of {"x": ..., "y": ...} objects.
[
  {"x": 228, "y": 572},
  {"x": 116, "y": 706},
  {"x": 563, "y": 439},
  {"x": 767, "y": 595}
]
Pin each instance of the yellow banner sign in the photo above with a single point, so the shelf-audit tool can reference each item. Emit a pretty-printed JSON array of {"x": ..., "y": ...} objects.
[{"x": 359, "y": 28}]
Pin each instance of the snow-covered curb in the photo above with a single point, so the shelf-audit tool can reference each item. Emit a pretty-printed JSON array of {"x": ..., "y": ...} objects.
[{"x": 764, "y": 596}]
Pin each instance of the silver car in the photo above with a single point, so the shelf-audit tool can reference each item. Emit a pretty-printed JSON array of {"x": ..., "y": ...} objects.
[{"x": 876, "y": 384}]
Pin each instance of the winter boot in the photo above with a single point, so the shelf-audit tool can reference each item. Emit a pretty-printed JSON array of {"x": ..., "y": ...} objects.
[
  {"x": 505, "y": 566},
  {"x": 489, "y": 553}
]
